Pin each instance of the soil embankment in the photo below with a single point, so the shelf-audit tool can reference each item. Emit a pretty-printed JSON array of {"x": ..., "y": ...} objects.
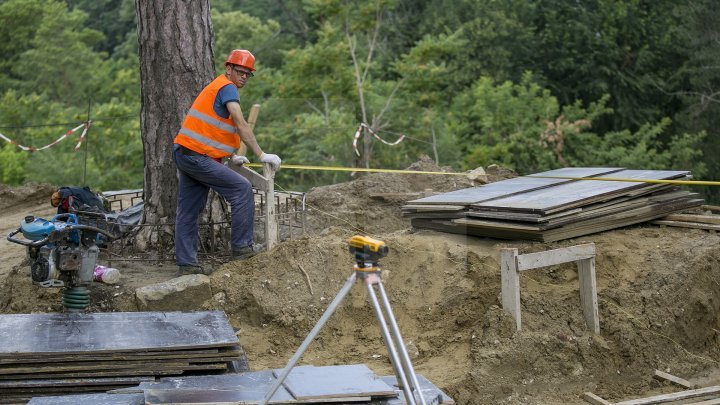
[{"x": 658, "y": 293}]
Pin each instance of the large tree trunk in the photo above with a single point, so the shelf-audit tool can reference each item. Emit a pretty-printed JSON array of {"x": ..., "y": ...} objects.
[{"x": 176, "y": 62}]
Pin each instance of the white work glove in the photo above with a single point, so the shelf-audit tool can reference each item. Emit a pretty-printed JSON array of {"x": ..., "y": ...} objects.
[
  {"x": 274, "y": 160},
  {"x": 239, "y": 160}
]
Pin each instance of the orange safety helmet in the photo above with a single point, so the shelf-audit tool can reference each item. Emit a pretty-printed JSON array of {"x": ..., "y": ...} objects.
[{"x": 242, "y": 58}]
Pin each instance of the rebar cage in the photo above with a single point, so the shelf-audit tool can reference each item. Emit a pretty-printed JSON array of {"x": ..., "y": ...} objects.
[{"x": 214, "y": 229}]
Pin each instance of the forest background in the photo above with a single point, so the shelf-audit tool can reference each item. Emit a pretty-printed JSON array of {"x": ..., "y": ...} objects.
[{"x": 530, "y": 85}]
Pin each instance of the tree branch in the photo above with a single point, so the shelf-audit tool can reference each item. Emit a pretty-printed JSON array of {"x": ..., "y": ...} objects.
[
  {"x": 372, "y": 42},
  {"x": 390, "y": 97}
]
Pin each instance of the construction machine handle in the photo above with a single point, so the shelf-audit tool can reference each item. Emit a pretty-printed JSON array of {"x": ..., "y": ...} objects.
[
  {"x": 34, "y": 243},
  {"x": 52, "y": 235},
  {"x": 73, "y": 224},
  {"x": 111, "y": 236}
]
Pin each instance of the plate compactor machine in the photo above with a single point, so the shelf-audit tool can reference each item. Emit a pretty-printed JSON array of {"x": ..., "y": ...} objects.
[{"x": 62, "y": 253}]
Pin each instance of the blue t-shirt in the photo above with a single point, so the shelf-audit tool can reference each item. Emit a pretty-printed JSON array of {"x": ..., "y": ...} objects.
[{"x": 226, "y": 94}]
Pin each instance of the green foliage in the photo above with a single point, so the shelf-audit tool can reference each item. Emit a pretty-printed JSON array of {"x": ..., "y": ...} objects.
[
  {"x": 426, "y": 69},
  {"x": 523, "y": 126},
  {"x": 642, "y": 149},
  {"x": 60, "y": 61},
  {"x": 53, "y": 77},
  {"x": 12, "y": 165},
  {"x": 697, "y": 83},
  {"x": 114, "y": 18},
  {"x": 501, "y": 124},
  {"x": 314, "y": 140},
  {"x": 529, "y": 85},
  {"x": 321, "y": 69},
  {"x": 237, "y": 30}
]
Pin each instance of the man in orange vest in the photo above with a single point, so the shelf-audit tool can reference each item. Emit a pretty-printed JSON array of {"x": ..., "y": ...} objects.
[{"x": 213, "y": 129}]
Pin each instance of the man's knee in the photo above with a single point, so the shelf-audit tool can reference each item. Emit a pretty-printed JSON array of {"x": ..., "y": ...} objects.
[{"x": 241, "y": 193}]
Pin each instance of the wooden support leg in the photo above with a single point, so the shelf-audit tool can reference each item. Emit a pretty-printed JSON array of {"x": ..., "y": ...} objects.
[
  {"x": 588, "y": 293},
  {"x": 510, "y": 278},
  {"x": 271, "y": 225}
]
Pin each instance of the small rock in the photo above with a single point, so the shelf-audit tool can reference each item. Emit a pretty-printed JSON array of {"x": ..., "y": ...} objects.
[{"x": 412, "y": 350}]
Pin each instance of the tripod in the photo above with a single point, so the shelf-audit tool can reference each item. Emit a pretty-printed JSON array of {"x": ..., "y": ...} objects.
[{"x": 367, "y": 252}]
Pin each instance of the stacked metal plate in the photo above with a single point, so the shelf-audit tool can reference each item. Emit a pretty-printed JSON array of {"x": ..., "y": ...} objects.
[
  {"x": 50, "y": 354},
  {"x": 555, "y": 205},
  {"x": 341, "y": 384}
]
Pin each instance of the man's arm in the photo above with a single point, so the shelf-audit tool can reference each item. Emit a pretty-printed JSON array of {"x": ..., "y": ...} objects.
[{"x": 243, "y": 128}]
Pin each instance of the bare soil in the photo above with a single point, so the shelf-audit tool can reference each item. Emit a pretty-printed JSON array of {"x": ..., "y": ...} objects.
[{"x": 658, "y": 292}]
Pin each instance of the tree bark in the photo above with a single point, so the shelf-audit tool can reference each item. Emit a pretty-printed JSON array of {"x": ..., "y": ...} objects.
[{"x": 176, "y": 62}]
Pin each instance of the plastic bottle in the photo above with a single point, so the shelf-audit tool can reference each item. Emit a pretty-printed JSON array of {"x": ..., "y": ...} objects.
[{"x": 107, "y": 275}]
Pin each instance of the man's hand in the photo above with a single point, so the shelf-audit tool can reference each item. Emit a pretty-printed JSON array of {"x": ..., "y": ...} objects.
[
  {"x": 274, "y": 160},
  {"x": 239, "y": 160}
]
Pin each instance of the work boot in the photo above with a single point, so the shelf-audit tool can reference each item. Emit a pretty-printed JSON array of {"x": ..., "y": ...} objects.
[
  {"x": 187, "y": 269},
  {"x": 245, "y": 252}
]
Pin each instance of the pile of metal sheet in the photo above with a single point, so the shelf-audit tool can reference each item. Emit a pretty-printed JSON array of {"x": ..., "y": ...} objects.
[
  {"x": 51, "y": 354},
  {"x": 343, "y": 384},
  {"x": 555, "y": 205}
]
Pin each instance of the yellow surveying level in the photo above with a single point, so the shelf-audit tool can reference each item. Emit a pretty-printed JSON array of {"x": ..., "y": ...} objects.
[
  {"x": 367, "y": 251},
  {"x": 368, "y": 244}
]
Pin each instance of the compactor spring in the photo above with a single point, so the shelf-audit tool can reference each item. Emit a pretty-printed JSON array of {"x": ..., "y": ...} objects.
[{"x": 75, "y": 299}]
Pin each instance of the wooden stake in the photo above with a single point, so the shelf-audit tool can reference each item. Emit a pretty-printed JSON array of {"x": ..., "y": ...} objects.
[
  {"x": 510, "y": 284},
  {"x": 594, "y": 399},
  {"x": 663, "y": 376}
]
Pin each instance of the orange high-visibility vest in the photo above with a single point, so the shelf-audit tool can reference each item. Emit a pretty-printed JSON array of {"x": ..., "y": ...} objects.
[{"x": 205, "y": 132}]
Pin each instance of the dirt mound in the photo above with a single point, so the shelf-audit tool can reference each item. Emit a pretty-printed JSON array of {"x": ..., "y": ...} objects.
[
  {"x": 371, "y": 204},
  {"x": 24, "y": 195},
  {"x": 658, "y": 294}
]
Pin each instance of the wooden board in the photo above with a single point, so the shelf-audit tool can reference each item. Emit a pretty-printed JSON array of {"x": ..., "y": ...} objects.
[
  {"x": 52, "y": 354},
  {"x": 519, "y": 216},
  {"x": 576, "y": 193},
  {"x": 227, "y": 397},
  {"x": 663, "y": 376},
  {"x": 509, "y": 230},
  {"x": 691, "y": 225},
  {"x": 147, "y": 371},
  {"x": 251, "y": 384},
  {"x": 594, "y": 399},
  {"x": 90, "y": 399},
  {"x": 431, "y": 393},
  {"x": 311, "y": 383},
  {"x": 203, "y": 389},
  {"x": 630, "y": 217},
  {"x": 703, "y": 219},
  {"x": 33, "y": 334},
  {"x": 511, "y": 187},
  {"x": 144, "y": 356},
  {"x": 432, "y": 208},
  {"x": 608, "y": 209},
  {"x": 677, "y": 396},
  {"x": 74, "y": 382}
]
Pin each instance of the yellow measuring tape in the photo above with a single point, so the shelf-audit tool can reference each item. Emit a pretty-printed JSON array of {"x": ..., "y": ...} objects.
[
  {"x": 360, "y": 169},
  {"x": 678, "y": 182},
  {"x": 355, "y": 169}
]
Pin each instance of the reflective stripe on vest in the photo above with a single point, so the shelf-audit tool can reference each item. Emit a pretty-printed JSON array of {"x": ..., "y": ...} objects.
[
  {"x": 205, "y": 132},
  {"x": 206, "y": 140},
  {"x": 212, "y": 121}
]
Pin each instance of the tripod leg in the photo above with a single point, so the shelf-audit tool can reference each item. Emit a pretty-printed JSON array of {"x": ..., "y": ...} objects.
[
  {"x": 397, "y": 365},
  {"x": 310, "y": 337},
  {"x": 404, "y": 357}
]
